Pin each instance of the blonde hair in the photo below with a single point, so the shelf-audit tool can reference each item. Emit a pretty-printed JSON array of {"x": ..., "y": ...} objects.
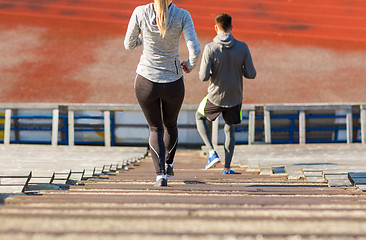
[{"x": 162, "y": 15}]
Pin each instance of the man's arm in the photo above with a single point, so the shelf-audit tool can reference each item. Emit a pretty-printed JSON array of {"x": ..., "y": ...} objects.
[
  {"x": 248, "y": 67},
  {"x": 206, "y": 65}
]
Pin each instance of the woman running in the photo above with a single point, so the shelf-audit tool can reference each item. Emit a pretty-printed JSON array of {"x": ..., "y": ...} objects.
[{"x": 159, "y": 85}]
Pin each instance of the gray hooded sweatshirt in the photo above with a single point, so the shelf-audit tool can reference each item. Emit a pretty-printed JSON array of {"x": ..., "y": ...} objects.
[
  {"x": 226, "y": 60},
  {"x": 160, "y": 57}
]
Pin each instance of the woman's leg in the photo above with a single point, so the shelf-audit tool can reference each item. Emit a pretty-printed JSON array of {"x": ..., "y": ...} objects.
[
  {"x": 147, "y": 94},
  {"x": 172, "y": 100}
]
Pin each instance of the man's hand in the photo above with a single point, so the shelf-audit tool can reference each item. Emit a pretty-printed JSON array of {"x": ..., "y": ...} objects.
[{"x": 184, "y": 67}]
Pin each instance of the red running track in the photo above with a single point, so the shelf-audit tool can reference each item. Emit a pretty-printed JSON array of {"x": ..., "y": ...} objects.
[
  {"x": 74, "y": 27},
  {"x": 322, "y": 19}
]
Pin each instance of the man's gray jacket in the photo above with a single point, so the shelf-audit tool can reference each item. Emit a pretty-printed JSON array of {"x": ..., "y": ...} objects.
[{"x": 225, "y": 61}]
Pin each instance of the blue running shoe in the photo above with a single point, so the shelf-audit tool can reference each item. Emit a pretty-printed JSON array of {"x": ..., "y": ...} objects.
[
  {"x": 228, "y": 172},
  {"x": 213, "y": 160}
]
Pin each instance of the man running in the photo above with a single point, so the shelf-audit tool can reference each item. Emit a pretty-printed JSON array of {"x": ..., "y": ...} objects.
[{"x": 224, "y": 62}]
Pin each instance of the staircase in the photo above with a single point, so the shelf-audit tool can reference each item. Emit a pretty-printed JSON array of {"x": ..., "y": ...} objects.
[{"x": 197, "y": 204}]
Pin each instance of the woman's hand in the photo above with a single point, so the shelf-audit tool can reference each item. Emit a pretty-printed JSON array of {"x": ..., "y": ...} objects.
[{"x": 184, "y": 67}]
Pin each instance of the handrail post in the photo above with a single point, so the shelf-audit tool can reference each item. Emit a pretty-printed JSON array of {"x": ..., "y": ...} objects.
[
  {"x": 363, "y": 123},
  {"x": 7, "y": 127},
  {"x": 349, "y": 123},
  {"x": 267, "y": 126},
  {"x": 55, "y": 121},
  {"x": 71, "y": 127},
  {"x": 251, "y": 127},
  {"x": 215, "y": 132},
  {"x": 107, "y": 128},
  {"x": 302, "y": 127}
]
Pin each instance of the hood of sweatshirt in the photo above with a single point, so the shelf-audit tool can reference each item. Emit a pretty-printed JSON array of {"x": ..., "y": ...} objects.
[
  {"x": 225, "y": 39},
  {"x": 150, "y": 16}
]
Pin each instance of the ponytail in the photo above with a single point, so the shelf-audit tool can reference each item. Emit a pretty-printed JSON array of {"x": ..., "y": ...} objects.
[{"x": 162, "y": 15}]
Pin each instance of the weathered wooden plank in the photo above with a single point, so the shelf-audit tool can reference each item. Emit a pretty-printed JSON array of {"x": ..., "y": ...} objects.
[
  {"x": 106, "y": 107},
  {"x": 36, "y": 106},
  {"x": 359, "y": 181},
  {"x": 357, "y": 174},
  {"x": 308, "y": 106},
  {"x": 279, "y": 170}
]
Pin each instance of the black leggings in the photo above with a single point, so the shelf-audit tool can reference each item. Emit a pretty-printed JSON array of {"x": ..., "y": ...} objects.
[{"x": 161, "y": 103}]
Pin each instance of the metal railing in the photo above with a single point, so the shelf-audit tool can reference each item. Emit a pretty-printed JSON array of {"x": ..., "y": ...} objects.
[
  {"x": 69, "y": 121},
  {"x": 297, "y": 116}
]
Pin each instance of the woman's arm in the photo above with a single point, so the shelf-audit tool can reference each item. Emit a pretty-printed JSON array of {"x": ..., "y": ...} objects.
[
  {"x": 133, "y": 36},
  {"x": 194, "y": 47}
]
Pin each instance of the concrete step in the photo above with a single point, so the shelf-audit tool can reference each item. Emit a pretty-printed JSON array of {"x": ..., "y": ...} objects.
[
  {"x": 327, "y": 163},
  {"x": 185, "y": 224},
  {"x": 14, "y": 182},
  {"x": 199, "y": 210},
  {"x": 245, "y": 205},
  {"x": 59, "y": 165}
]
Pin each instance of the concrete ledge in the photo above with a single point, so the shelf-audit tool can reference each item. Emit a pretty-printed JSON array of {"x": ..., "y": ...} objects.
[
  {"x": 315, "y": 162},
  {"x": 60, "y": 165}
]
